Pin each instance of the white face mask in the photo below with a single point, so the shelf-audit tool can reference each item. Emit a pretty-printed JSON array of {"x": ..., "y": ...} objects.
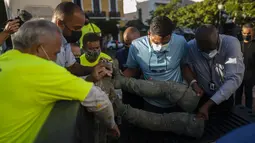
[
  {"x": 158, "y": 47},
  {"x": 210, "y": 55}
]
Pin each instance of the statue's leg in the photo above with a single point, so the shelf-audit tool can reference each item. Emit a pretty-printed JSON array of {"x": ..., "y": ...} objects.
[
  {"x": 175, "y": 92},
  {"x": 179, "y": 123}
]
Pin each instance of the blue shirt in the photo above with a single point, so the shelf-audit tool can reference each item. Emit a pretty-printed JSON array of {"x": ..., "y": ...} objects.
[
  {"x": 162, "y": 66},
  {"x": 225, "y": 70},
  {"x": 121, "y": 56},
  {"x": 65, "y": 58},
  {"x": 245, "y": 134}
]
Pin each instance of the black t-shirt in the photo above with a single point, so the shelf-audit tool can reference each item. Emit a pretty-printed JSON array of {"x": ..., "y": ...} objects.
[{"x": 249, "y": 60}]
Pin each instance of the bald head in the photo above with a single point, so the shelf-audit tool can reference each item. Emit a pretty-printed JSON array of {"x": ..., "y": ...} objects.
[
  {"x": 65, "y": 10},
  {"x": 70, "y": 18},
  {"x": 130, "y": 34}
]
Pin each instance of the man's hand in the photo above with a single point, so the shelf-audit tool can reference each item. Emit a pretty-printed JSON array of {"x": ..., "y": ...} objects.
[
  {"x": 12, "y": 26},
  {"x": 99, "y": 72},
  {"x": 203, "y": 112},
  {"x": 115, "y": 131},
  {"x": 197, "y": 89}
]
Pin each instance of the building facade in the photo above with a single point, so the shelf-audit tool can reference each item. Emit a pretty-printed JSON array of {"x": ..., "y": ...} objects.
[
  {"x": 104, "y": 10},
  {"x": 38, "y": 8},
  {"x": 145, "y": 7}
]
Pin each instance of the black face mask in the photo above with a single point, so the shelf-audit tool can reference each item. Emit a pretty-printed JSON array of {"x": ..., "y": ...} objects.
[
  {"x": 247, "y": 37},
  {"x": 75, "y": 36}
]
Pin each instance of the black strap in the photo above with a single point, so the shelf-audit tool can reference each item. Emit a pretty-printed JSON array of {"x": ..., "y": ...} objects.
[
  {"x": 92, "y": 27},
  {"x": 210, "y": 69}
]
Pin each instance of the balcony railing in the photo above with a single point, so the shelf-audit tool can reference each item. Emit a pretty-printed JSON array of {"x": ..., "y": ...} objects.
[
  {"x": 101, "y": 14},
  {"x": 114, "y": 14}
]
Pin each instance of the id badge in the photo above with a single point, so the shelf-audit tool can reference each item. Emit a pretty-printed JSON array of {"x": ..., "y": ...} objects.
[{"x": 212, "y": 86}]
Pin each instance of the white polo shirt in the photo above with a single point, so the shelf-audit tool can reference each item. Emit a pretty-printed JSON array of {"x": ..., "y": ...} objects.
[{"x": 65, "y": 58}]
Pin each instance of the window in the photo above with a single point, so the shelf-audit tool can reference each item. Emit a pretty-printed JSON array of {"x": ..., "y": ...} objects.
[
  {"x": 113, "y": 4},
  {"x": 96, "y": 5}
]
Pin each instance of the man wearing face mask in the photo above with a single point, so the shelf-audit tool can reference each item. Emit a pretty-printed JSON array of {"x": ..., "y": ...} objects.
[
  {"x": 40, "y": 83},
  {"x": 70, "y": 18},
  {"x": 215, "y": 68},
  {"x": 130, "y": 34},
  {"x": 159, "y": 56},
  {"x": 89, "y": 27},
  {"x": 248, "y": 49},
  {"x": 92, "y": 50}
]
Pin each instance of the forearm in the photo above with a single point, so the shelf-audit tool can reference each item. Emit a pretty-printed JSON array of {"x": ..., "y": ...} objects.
[
  {"x": 130, "y": 72},
  {"x": 98, "y": 102},
  {"x": 80, "y": 70},
  {"x": 187, "y": 73},
  {"x": 3, "y": 37},
  {"x": 226, "y": 90},
  {"x": 106, "y": 116}
]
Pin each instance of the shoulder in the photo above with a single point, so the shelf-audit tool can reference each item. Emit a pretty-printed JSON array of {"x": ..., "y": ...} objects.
[
  {"x": 82, "y": 56},
  {"x": 95, "y": 26},
  {"x": 140, "y": 42},
  {"x": 226, "y": 39},
  {"x": 104, "y": 55},
  {"x": 178, "y": 38},
  {"x": 192, "y": 43},
  {"x": 179, "y": 41},
  {"x": 39, "y": 66},
  {"x": 227, "y": 42},
  {"x": 120, "y": 50}
]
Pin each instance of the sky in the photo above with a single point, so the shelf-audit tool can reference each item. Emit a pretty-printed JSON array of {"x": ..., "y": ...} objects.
[{"x": 130, "y": 5}]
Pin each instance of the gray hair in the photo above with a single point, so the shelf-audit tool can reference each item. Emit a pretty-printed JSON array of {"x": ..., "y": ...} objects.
[{"x": 32, "y": 31}]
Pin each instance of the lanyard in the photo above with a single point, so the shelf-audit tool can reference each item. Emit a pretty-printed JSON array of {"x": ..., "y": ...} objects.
[{"x": 210, "y": 69}]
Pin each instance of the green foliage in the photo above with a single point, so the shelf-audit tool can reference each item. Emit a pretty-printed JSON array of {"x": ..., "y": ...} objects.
[{"x": 206, "y": 12}]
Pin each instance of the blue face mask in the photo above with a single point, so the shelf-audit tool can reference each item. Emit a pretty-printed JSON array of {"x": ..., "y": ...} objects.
[{"x": 210, "y": 55}]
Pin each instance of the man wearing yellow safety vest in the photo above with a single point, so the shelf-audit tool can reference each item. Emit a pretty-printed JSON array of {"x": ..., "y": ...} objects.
[
  {"x": 33, "y": 83},
  {"x": 89, "y": 28},
  {"x": 92, "y": 50}
]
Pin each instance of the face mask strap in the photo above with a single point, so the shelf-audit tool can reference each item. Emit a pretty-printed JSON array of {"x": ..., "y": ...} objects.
[
  {"x": 66, "y": 26},
  {"x": 45, "y": 53}
]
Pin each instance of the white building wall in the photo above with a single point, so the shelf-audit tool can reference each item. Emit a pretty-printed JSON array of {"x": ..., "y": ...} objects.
[{"x": 38, "y": 8}]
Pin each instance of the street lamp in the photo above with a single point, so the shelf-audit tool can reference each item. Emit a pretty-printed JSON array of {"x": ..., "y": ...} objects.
[{"x": 220, "y": 8}]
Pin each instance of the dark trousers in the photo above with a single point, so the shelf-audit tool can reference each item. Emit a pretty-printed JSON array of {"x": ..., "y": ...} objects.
[{"x": 247, "y": 86}]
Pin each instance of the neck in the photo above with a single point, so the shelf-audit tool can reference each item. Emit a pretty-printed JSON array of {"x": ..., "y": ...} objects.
[{"x": 27, "y": 51}]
